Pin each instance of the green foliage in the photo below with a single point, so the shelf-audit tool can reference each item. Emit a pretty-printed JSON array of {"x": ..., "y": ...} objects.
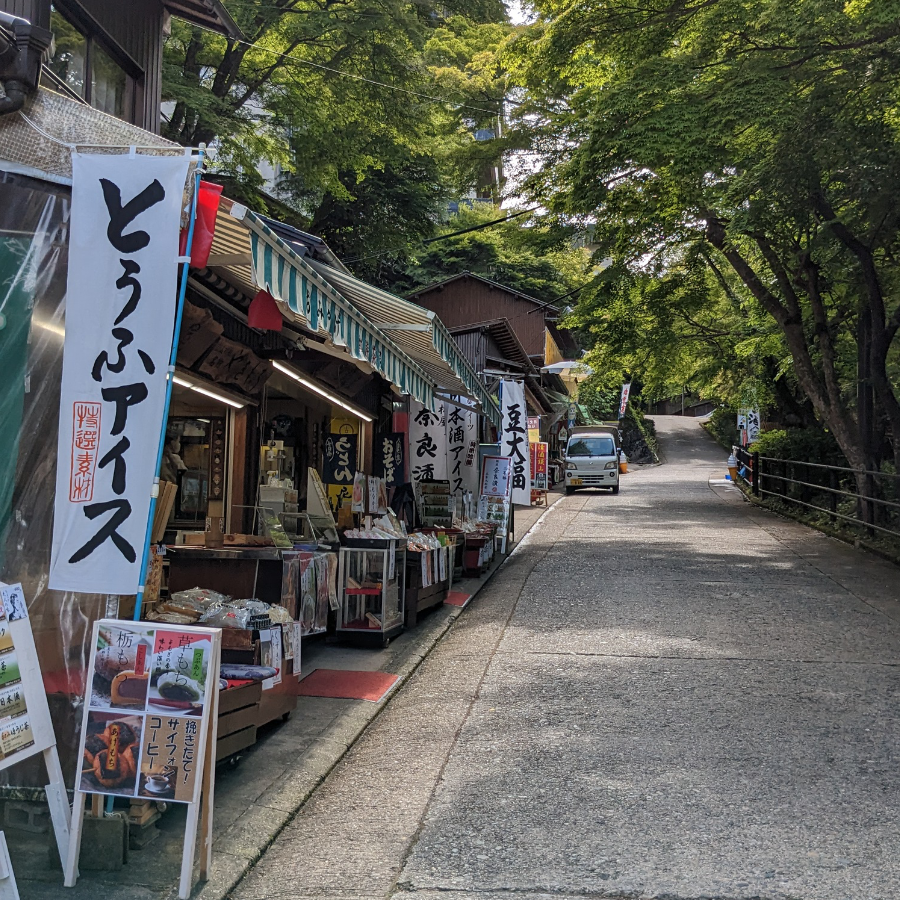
[
  {"x": 741, "y": 163},
  {"x": 722, "y": 425},
  {"x": 535, "y": 259},
  {"x": 804, "y": 444},
  {"x": 600, "y": 396},
  {"x": 336, "y": 97}
]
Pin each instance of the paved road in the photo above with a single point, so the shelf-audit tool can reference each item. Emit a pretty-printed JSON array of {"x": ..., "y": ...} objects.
[{"x": 664, "y": 694}]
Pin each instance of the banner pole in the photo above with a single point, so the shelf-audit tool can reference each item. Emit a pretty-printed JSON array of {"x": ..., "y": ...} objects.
[{"x": 179, "y": 313}]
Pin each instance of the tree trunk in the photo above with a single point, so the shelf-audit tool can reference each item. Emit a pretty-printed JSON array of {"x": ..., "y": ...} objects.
[{"x": 787, "y": 315}]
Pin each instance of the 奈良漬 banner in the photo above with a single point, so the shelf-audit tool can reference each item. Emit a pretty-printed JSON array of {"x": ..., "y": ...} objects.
[
  {"x": 120, "y": 311},
  {"x": 427, "y": 442}
]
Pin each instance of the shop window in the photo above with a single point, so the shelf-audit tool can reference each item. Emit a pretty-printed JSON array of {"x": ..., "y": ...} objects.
[
  {"x": 194, "y": 460},
  {"x": 90, "y": 67}
]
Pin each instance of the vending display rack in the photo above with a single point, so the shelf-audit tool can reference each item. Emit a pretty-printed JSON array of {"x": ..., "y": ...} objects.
[{"x": 434, "y": 502}]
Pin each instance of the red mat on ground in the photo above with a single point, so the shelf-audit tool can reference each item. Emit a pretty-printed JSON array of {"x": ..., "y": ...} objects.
[
  {"x": 346, "y": 684},
  {"x": 457, "y": 598}
]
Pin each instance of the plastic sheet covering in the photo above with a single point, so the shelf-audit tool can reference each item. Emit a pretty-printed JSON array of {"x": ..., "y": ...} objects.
[{"x": 33, "y": 259}]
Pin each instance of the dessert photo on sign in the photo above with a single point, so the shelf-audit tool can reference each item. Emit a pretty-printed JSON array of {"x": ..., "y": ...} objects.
[
  {"x": 121, "y": 676},
  {"x": 109, "y": 759},
  {"x": 178, "y": 673}
]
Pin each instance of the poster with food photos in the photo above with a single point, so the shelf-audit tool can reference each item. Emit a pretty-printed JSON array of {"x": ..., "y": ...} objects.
[{"x": 147, "y": 709}]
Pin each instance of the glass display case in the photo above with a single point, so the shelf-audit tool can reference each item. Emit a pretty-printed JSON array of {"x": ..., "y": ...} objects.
[{"x": 372, "y": 576}]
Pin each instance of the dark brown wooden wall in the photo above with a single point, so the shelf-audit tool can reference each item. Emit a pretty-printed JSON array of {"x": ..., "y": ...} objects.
[
  {"x": 467, "y": 301},
  {"x": 134, "y": 26},
  {"x": 35, "y": 11},
  {"x": 471, "y": 344}
]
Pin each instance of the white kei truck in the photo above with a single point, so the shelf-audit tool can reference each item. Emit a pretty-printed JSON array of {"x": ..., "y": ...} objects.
[{"x": 592, "y": 458}]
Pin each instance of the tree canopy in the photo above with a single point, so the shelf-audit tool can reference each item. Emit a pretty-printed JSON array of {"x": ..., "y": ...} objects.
[
  {"x": 534, "y": 258},
  {"x": 740, "y": 164},
  {"x": 366, "y": 110}
]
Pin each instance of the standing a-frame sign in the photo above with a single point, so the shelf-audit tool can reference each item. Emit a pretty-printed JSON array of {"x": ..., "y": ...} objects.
[{"x": 149, "y": 729}]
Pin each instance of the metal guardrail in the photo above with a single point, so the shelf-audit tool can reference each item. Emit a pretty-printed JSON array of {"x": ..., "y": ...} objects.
[{"x": 867, "y": 500}]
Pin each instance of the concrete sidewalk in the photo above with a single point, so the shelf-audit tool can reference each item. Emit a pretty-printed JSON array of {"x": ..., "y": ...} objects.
[{"x": 259, "y": 795}]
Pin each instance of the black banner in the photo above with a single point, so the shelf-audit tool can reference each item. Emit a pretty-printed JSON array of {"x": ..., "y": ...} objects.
[
  {"x": 339, "y": 464},
  {"x": 388, "y": 458}
]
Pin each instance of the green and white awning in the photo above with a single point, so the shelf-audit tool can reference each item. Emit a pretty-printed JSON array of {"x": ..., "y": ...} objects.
[
  {"x": 419, "y": 333},
  {"x": 307, "y": 298}
]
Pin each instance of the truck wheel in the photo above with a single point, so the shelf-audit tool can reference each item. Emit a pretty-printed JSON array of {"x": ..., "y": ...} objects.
[
  {"x": 615, "y": 489},
  {"x": 570, "y": 491}
]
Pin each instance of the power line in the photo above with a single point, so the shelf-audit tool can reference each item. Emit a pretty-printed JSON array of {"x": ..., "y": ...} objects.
[
  {"x": 372, "y": 81},
  {"x": 443, "y": 237}
]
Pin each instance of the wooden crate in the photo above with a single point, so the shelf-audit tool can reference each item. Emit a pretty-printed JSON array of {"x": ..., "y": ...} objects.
[
  {"x": 238, "y": 714},
  {"x": 418, "y": 600}
]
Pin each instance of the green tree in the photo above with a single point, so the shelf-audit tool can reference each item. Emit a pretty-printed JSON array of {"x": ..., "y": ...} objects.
[
  {"x": 536, "y": 259},
  {"x": 759, "y": 135},
  {"x": 338, "y": 95},
  {"x": 691, "y": 326}
]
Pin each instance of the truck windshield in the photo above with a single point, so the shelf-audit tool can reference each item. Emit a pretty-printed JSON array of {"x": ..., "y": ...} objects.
[{"x": 591, "y": 446}]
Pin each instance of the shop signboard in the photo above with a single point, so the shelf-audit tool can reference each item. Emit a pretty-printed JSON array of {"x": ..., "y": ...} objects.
[
  {"x": 623, "y": 402},
  {"x": 427, "y": 442},
  {"x": 495, "y": 476},
  {"x": 539, "y": 455},
  {"x": 494, "y": 499},
  {"x": 340, "y": 458},
  {"x": 389, "y": 457},
  {"x": 120, "y": 311},
  {"x": 534, "y": 429},
  {"x": 25, "y": 726},
  {"x": 339, "y": 467},
  {"x": 514, "y": 438},
  {"x": 148, "y": 729}
]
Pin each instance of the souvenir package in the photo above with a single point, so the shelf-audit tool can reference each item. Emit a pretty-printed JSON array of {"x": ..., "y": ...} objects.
[
  {"x": 358, "y": 501},
  {"x": 321, "y": 568},
  {"x": 307, "y": 617}
]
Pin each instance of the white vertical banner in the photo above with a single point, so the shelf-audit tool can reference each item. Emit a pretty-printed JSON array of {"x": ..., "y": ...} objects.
[
  {"x": 514, "y": 439},
  {"x": 462, "y": 448},
  {"x": 427, "y": 442},
  {"x": 120, "y": 311},
  {"x": 623, "y": 402}
]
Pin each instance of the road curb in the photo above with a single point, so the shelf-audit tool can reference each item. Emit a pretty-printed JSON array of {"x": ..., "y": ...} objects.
[{"x": 260, "y": 826}]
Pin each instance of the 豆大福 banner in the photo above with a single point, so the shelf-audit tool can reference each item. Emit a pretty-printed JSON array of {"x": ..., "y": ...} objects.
[
  {"x": 120, "y": 311},
  {"x": 514, "y": 438}
]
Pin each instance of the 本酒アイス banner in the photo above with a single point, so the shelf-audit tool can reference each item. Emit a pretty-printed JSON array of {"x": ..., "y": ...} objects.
[{"x": 120, "y": 310}]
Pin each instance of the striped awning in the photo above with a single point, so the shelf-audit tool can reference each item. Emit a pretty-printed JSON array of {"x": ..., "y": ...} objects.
[
  {"x": 421, "y": 334},
  {"x": 308, "y": 299}
]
